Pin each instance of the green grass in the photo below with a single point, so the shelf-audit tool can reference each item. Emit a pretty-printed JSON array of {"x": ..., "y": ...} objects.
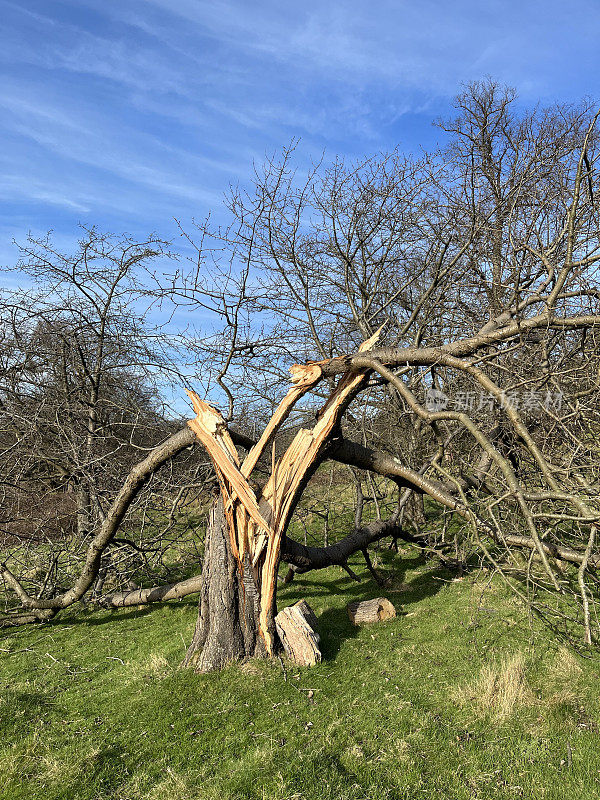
[{"x": 94, "y": 705}]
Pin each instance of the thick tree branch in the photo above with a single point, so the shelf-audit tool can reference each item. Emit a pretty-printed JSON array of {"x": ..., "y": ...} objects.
[
  {"x": 426, "y": 356},
  {"x": 134, "y": 482},
  {"x": 155, "y": 594}
]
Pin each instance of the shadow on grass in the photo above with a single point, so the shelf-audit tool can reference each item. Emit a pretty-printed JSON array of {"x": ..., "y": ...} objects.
[
  {"x": 333, "y": 623},
  {"x": 102, "y": 616},
  {"x": 22, "y": 709}
]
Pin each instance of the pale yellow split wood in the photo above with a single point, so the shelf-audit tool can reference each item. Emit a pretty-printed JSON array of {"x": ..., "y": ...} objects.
[{"x": 256, "y": 525}]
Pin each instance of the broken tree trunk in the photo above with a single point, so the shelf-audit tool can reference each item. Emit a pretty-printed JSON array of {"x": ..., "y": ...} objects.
[
  {"x": 236, "y": 615},
  {"x": 296, "y": 627},
  {"x": 227, "y": 623},
  {"x": 366, "y": 611}
]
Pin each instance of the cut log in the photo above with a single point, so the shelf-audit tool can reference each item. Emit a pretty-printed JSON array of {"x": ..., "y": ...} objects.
[
  {"x": 374, "y": 610},
  {"x": 296, "y": 629}
]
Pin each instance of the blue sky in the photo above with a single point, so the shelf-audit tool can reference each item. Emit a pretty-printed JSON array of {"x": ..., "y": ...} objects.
[{"x": 128, "y": 114}]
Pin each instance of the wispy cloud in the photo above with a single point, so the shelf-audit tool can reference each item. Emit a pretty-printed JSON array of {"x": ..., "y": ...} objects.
[
  {"x": 14, "y": 188},
  {"x": 130, "y": 113}
]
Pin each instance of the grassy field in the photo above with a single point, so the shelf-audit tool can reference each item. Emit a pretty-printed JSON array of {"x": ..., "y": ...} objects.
[{"x": 455, "y": 698}]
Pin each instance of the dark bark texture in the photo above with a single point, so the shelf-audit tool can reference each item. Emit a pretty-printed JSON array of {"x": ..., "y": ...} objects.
[{"x": 227, "y": 624}]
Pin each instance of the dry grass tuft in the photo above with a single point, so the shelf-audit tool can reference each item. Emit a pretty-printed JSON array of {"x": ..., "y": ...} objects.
[
  {"x": 250, "y": 667},
  {"x": 174, "y": 785},
  {"x": 156, "y": 666},
  {"x": 499, "y": 689},
  {"x": 565, "y": 668},
  {"x": 564, "y": 677}
]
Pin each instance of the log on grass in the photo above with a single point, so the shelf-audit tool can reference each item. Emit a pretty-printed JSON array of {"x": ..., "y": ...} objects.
[
  {"x": 296, "y": 629},
  {"x": 374, "y": 610}
]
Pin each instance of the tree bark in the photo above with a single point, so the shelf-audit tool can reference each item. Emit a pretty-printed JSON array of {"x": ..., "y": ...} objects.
[
  {"x": 415, "y": 511},
  {"x": 227, "y": 624},
  {"x": 305, "y": 558},
  {"x": 367, "y": 611}
]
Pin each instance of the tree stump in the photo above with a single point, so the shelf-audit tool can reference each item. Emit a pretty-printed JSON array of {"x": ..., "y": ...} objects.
[
  {"x": 296, "y": 629},
  {"x": 370, "y": 610}
]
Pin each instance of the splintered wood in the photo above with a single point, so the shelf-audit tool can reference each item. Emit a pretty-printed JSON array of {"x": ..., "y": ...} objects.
[
  {"x": 256, "y": 524},
  {"x": 296, "y": 628}
]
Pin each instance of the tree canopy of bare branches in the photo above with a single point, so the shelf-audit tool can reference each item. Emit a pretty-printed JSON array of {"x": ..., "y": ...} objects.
[{"x": 478, "y": 265}]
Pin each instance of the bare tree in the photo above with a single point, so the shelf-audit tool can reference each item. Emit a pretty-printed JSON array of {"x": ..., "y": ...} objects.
[
  {"x": 480, "y": 261},
  {"x": 82, "y": 374},
  {"x": 477, "y": 268}
]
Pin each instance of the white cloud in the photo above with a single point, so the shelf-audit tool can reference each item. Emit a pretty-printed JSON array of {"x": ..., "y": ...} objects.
[{"x": 144, "y": 109}]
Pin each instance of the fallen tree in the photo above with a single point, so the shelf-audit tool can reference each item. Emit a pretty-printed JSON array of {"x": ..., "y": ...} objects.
[
  {"x": 237, "y": 610},
  {"x": 479, "y": 272},
  {"x": 249, "y": 531}
]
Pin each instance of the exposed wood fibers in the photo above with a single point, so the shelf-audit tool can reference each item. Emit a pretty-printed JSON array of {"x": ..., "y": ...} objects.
[{"x": 256, "y": 525}]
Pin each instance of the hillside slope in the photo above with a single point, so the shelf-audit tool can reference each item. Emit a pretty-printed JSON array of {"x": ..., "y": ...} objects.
[{"x": 448, "y": 700}]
